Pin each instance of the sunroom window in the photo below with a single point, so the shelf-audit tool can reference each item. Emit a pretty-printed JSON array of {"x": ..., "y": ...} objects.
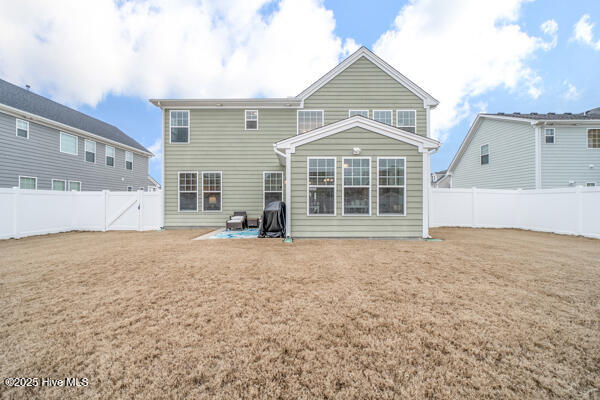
[
  {"x": 356, "y": 186},
  {"x": 321, "y": 186},
  {"x": 391, "y": 174}
]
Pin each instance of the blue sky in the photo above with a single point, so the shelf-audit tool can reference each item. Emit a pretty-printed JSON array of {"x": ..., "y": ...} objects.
[{"x": 535, "y": 56}]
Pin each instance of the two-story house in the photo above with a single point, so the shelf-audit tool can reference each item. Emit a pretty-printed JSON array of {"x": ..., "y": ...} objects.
[
  {"x": 349, "y": 155},
  {"x": 48, "y": 146},
  {"x": 529, "y": 151}
]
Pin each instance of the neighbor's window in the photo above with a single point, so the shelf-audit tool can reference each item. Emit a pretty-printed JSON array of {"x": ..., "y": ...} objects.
[
  {"x": 407, "y": 120},
  {"x": 58, "y": 184},
  {"x": 74, "y": 186},
  {"x": 383, "y": 116},
  {"x": 364, "y": 113},
  {"x": 68, "y": 143},
  {"x": 180, "y": 126},
  {"x": 22, "y": 128},
  {"x": 391, "y": 186},
  {"x": 211, "y": 191},
  {"x": 549, "y": 135},
  {"x": 590, "y": 184},
  {"x": 321, "y": 186},
  {"x": 356, "y": 186},
  {"x": 90, "y": 151},
  {"x": 128, "y": 160},
  {"x": 251, "y": 120},
  {"x": 485, "y": 154},
  {"x": 110, "y": 156},
  {"x": 593, "y": 136},
  {"x": 27, "y": 182},
  {"x": 188, "y": 191},
  {"x": 130, "y": 188},
  {"x": 273, "y": 187},
  {"x": 309, "y": 120}
]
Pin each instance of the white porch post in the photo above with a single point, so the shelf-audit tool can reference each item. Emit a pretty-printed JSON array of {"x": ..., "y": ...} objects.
[
  {"x": 288, "y": 194},
  {"x": 426, "y": 192}
]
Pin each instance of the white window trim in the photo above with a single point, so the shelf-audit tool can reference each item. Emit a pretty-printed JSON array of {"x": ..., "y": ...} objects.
[
  {"x": 481, "y": 154},
  {"x": 58, "y": 180},
  {"x": 31, "y": 177},
  {"x": 198, "y": 182},
  {"x": 220, "y": 210},
  {"x": 85, "y": 142},
  {"x": 399, "y": 127},
  {"x": 355, "y": 186},
  {"x": 307, "y": 109},
  {"x": 106, "y": 146},
  {"x": 350, "y": 111},
  {"x": 17, "y": 128},
  {"x": 405, "y": 186},
  {"x": 125, "y": 164},
  {"x": 553, "y": 135},
  {"x": 271, "y": 191},
  {"x": 391, "y": 116},
  {"x": 180, "y": 126},
  {"x": 246, "y": 120},
  {"x": 308, "y": 186},
  {"x": 69, "y": 187},
  {"x": 587, "y": 140},
  {"x": 76, "y": 144}
]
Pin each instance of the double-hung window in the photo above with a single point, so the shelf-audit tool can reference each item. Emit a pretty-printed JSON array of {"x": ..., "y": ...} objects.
[
  {"x": 593, "y": 138},
  {"x": 68, "y": 143},
  {"x": 383, "y": 116},
  {"x": 180, "y": 126},
  {"x": 590, "y": 184},
  {"x": 356, "y": 183},
  {"x": 27, "y": 182},
  {"x": 251, "y": 120},
  {"x": 549, "y": 135},
  {"x": 309, "y": 120},
  {"x": 391, "y": 186},
  {"x": 407, "y": 120},
  {"x": 321, "y": 186},
  {"x": 58, "y": 184},
  {"x": 272, "y": 187},
  {"x": 128, "y": 160},
  {"x": 110, "y": 156},
  {"x": 74, "y": 186},
  {"x": 90, "y": 151},
  {"x": 22, "y": 128},
  {"x": 485, "y": 154},
  {"x": 188, "y": 191},
  {"x": 211, "y": 191},
  {"x": 364, "y": 113}
]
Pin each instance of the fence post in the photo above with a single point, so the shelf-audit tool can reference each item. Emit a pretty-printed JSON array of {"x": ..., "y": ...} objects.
[
  {"x": 15, "y": 212},
  {"x": 473, "y": 208},
  {"x": 105, "y": 197},
  {"x": 518, "y": 209},
  {"x": 140, "y": 195},
  {"x": 579, "y": 199}
]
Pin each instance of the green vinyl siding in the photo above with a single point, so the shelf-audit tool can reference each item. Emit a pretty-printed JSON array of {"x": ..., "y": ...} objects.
[{"x": 372, "y": 145}]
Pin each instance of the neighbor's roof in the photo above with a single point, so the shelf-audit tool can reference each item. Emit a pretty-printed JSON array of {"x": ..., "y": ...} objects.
[
  {"x": 550, "y": 116},
  {"x": 24, "y": 100}
]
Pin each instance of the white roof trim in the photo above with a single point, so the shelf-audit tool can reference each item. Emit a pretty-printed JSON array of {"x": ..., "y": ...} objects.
[
  {"x": 290, "y": 102},
  {"x": 428, "y": 100},
  {"x": 358, "y": 121}
]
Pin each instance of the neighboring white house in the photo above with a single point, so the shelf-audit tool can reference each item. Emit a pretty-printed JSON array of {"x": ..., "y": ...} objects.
[{"x": 528, "y": 151}]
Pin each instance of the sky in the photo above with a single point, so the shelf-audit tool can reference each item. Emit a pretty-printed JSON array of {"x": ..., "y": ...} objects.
[{"x": 107, "y": 58}]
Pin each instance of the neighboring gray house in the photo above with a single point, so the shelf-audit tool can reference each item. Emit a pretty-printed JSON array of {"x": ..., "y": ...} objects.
[
  {"x": 529, "y": 151},
  {"x": 45, "y": 145},
  {"x": 439, "y": 179},
  {"x": 153, "y": 185}
]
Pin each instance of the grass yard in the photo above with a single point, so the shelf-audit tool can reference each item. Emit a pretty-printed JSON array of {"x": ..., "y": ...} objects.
[{"x": 483, "y": 314}]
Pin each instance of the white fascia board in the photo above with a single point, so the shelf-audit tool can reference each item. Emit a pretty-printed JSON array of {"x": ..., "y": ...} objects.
[
  {"x": 428, "y": 100},
  {"x": 291, "y": 103}
]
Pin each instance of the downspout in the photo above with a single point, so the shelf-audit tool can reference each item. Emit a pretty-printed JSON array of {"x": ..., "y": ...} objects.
[{"x": 288, "y": 193}]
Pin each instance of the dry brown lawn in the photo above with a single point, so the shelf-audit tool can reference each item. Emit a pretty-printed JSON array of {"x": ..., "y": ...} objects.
[{"x": 483, "y": 314}]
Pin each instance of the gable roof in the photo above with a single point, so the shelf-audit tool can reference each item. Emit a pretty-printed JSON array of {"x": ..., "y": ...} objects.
[
  {"x": 17, "y": 98},
  {"x": 588, "y": 115},
  {"x": 428, "y": 100},
  {"x": 359, "y": 121}
]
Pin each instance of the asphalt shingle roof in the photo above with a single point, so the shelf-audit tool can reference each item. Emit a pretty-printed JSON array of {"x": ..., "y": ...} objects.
[
  {"x": 591, "y": 115},
  {"x": 24, "y": 100}
]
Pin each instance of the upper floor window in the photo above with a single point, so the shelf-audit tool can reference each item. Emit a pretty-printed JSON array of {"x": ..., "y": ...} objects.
[
  {"x": 364, "y": 113},
  {"x": 309, "y": 120},
  {"x": 485, "y": 154},
  {"x": 321, "y": 186},
  {"x": 383, "y": 116},
  {"x": 128, "y": 160},
  {"x": 110, "y": 156},
  {"x": 180, "y": 126},
  {"x": 593, "y": 138},
  {"x": 251, "y": 120},
  {"x": 90, "y": 151},
  {"x": 22, "y": 128},
  {"x": 68, "y": 143},
  {"x": 27, "y": 182},
  {"x": 407, "y": 120},
  {"x": 549, "y": 135}
]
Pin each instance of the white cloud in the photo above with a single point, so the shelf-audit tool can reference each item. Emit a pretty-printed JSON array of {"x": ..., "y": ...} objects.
[
  {"x": 583, "y": 32},
  {"x": 79, "y": 51},
  {"x": 461, "y": 49},
  {"x": 571, "y": 93},
  {"x": 156, "y": 149}
]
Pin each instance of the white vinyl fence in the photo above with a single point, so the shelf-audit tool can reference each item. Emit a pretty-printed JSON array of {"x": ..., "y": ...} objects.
[
  {"x": 36, "y": 212},
  {"x": 573, "y": 211}
]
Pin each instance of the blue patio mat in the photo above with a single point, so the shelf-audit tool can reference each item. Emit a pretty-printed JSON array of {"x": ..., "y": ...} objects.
[{"x": 245, "y": 234}]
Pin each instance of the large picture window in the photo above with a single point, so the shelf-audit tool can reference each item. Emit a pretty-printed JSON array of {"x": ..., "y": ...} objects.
[
  {"x": 407, "y": 120},
  {"x": 188, "y": 191},
  {"x": 309, "y": 120},
  {"x": 356, "y": 184},
  {"x": 321, "y": 186},
  {"x": 211, "y": 191},
  {"x": 272, "y": 187},
  {"x": 68, "y": 143},
  {"x": 391, "y": 186},
  {"x": 180, "y": 126},
  {"x": 90, "y": 151}
]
